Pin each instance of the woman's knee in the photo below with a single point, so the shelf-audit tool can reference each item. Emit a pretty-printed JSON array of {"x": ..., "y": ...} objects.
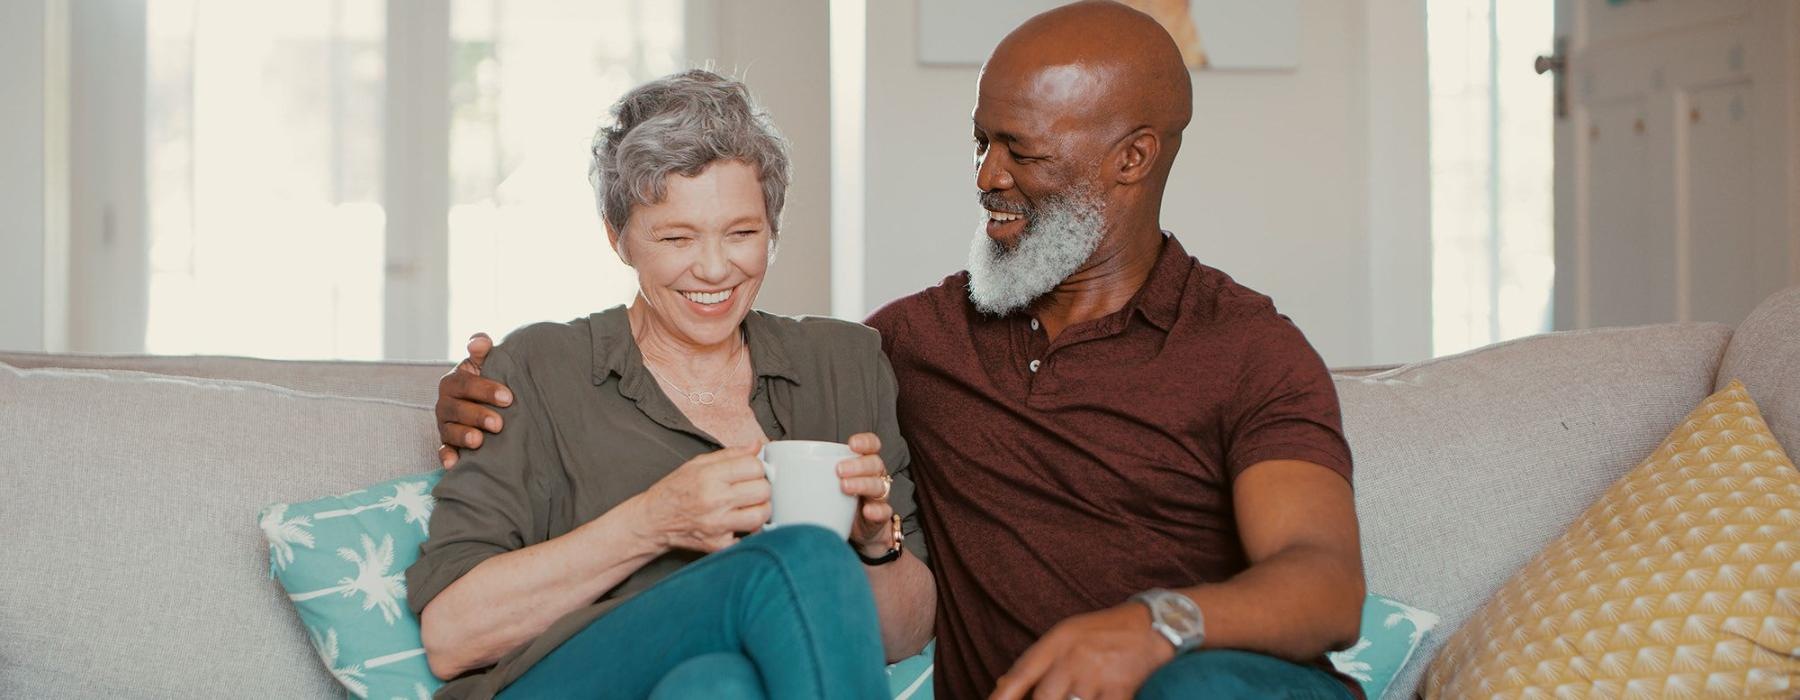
[
  {"x": 725, "y": 675},
  {"x": 803, "y": 546}
]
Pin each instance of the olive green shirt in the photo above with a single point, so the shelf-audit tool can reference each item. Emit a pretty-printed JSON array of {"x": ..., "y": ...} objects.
[{"x": 589, "y": 428}]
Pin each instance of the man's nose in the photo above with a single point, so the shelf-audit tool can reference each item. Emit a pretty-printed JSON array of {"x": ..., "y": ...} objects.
[{"x": 990, "y": 175}]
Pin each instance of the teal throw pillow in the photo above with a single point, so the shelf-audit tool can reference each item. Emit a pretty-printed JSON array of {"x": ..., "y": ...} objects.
[
  {"x": 1391, "y": 632},
  {"x": 342, "y": 561},
  {"x": 911, "y": 678}
]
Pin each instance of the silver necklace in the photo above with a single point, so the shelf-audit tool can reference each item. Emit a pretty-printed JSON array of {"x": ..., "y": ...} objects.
[{"x": 700, "y": 396}]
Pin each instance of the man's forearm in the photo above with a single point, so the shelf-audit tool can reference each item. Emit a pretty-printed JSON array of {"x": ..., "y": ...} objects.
[
  {"x": 1297, "y": 604},
  {"x": 906, "y": 601}
]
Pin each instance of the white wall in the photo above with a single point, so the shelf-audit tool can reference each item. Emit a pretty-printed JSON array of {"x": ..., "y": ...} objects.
[
  {"x": 781, "y": 49},
  {"x": 1273, "y": 184},
  {"x": 34, "y": 179}
]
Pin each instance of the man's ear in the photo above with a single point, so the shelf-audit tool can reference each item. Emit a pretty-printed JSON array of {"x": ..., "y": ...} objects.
[
  {"x": 1137, "y": 155},
  {"x": 617, "y": 242}
]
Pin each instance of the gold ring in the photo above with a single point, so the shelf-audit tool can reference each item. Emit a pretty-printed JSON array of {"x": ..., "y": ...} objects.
[{"x": 887, "y": 486}]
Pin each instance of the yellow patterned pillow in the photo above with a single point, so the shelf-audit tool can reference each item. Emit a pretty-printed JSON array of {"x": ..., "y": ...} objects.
[{"x": 1682, "y": 581}]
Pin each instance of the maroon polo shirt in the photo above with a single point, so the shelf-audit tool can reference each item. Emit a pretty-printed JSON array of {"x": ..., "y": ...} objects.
[{"x": 1060, "y": 477}]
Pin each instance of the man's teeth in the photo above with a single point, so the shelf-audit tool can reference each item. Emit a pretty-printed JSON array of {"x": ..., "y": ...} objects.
[
  {"x": 708, "y": 297},
  {"x": 1003, "y": 217}
]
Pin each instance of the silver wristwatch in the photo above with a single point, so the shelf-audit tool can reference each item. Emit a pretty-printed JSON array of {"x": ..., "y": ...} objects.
[{"x": 1176, "y": 617}]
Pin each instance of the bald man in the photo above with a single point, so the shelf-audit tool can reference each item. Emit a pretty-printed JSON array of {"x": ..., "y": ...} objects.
[{"x": 1130, "y": 469}]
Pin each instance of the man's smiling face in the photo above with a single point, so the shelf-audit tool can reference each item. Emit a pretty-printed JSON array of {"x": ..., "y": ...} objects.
[
  {"x": 1037, "y": 166},
  {"x": 1034, "y": 143}
]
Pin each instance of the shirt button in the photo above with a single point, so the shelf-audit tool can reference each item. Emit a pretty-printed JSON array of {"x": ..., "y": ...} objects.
[
  {"x": 1034, "y": 363},
  {"x": 1034, "y": 324}
]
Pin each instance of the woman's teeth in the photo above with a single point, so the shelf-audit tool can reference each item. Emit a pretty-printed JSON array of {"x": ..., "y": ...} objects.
[
  {"x": 708, "y": 298},
  {"x": 1003, "y": 217}
]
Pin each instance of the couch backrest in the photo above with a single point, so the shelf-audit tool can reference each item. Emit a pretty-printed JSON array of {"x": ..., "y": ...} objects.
[
  {"x": 406, "y": 382},
  {"x": 1765, "y": 355},
  {"x": 132, "y": 562},
  {"x": 1466, "y": 466}
]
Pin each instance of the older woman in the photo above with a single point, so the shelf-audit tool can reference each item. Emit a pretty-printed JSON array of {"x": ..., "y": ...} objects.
[{"x": 597, "y": 546}]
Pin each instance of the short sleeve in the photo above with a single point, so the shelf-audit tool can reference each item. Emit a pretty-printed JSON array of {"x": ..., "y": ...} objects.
[
  {"x": 490, "y": 503},
  {"x": 1286, "y": 407}
]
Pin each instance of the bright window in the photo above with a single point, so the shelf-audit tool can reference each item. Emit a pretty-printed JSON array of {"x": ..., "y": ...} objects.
[
  {"x": 267, "y": 160},
  {"x": 1491, "y": 172},
  {"x": 530, "y": 82},
  {"x": 264, "y": 163}
]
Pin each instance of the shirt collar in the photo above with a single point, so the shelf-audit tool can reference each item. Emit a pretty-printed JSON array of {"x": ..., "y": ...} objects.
[
  {"x": 616, "y": 352},
  {"x": 1159, "y": 300}
]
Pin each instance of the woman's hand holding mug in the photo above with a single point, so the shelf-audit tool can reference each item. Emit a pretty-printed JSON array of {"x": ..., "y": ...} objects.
[{"x": 705, "y": 503}]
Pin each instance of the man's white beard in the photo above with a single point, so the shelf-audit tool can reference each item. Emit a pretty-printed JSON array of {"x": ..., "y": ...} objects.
[{"x": 1059, "y": 236}]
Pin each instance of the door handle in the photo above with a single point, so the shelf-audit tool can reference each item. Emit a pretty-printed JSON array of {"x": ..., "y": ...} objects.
[{"x": 1557, "y": 64}]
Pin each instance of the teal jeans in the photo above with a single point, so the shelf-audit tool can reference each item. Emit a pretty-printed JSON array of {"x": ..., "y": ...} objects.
[
  {"x": 1227, "y": 673},
  {"x": 782, "y": 614}
]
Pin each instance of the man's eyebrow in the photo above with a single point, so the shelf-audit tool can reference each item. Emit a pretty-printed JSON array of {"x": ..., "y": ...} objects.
[{"x": 1005, "y": 136}]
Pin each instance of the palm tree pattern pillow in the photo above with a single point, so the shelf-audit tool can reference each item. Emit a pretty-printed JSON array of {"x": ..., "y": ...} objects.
[
  {"x": 342, "y": 562},
  {"x": 1391, "y": 633}
]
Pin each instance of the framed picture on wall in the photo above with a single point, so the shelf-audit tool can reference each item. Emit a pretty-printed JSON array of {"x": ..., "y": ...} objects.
[{"x": 1212, "y": 34}]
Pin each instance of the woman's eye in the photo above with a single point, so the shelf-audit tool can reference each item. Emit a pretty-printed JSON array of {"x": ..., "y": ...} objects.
[
  {"x": 745, "y": 233},
  {"x": 673, "y": 239}
]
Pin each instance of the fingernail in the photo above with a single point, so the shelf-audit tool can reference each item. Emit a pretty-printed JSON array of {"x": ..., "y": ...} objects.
[
  {"x": 493, "y": 424},
  {"x": 504, "y": 397}
]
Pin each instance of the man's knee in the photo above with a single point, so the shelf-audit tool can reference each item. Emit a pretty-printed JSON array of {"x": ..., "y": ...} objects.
[{"x": 1231, "y": 674}]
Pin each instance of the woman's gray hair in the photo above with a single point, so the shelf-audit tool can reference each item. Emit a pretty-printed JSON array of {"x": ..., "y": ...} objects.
[{"x": 678, "y": 125}]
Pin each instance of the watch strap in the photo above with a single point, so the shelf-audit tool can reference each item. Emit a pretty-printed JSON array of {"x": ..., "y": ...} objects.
[{"x": 893, "y": 553}]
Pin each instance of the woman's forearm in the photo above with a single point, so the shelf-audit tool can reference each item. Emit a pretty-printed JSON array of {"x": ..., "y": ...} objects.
[
  {"x": 906, "y": 601},
  {"x": 512, "y": 598}
]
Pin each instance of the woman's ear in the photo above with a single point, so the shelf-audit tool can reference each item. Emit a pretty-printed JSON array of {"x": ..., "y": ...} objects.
[{"x": 617, "y": 242}]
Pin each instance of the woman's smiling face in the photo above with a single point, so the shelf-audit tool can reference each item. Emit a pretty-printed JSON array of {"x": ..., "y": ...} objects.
[{"x": 700, "y": 253}]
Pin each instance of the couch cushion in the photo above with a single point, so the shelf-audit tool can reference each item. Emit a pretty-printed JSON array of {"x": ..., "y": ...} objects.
[
  {"x": 1466, "y": 466},
  {"x": 1765, "y": 355},
  {"x": 1683, "y": 580},
  {"x": 133, "y": 566}
]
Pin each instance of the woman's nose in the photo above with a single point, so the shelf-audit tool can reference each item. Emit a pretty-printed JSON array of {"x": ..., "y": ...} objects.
[{"x": 712, "y": 264}]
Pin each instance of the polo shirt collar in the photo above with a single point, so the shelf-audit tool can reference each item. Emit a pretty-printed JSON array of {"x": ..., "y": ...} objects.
[
  {"x": 615, "y": 352},
  {"x": 1159, "y": 300}
]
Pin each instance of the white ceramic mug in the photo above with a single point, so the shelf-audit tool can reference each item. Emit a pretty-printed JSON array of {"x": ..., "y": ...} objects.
[{"x": 804, "y": 485}]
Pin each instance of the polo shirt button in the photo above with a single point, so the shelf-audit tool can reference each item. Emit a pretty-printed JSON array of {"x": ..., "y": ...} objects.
[
  {"x": 1034, "y": 363},
  {"x": 1034, "y": 324}
]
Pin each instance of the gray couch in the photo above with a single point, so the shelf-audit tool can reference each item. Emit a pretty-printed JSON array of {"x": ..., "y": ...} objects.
[{"x": 129, "y": 486}]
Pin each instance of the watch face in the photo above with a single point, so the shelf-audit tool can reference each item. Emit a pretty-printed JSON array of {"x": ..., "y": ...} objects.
[{"x": 1184, "y": 619}]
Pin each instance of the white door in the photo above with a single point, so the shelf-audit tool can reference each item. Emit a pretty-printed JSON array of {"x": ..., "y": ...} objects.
[{"x": 1677, "y": 185}]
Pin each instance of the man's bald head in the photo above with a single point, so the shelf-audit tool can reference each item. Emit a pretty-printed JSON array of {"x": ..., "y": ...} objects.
[
  {"x": 1077, "y": 121},
  {"x": 1102, "y": 61}
]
